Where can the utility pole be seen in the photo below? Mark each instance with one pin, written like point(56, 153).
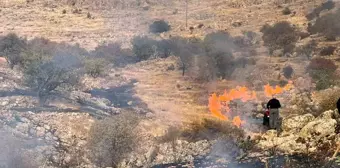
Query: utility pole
point(186, 13)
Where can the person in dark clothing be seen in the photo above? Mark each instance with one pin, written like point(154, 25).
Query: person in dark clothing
point(338, 105)
point(273, 105)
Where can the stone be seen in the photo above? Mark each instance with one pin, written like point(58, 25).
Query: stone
point(295, 124)
point(130, 103)
point(327, 115)
point(23, 128)
point(47, 127)
point(32, 132)
point(4, 103)
point(40, 131)
point(319, 128)
point(283, 59)
point(278, 53)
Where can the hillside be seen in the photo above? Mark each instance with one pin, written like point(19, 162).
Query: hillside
point(76, 91)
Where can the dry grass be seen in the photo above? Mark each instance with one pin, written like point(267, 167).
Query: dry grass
point(211, 128)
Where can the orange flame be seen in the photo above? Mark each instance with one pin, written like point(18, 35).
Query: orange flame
point(237, 121)
point(271, 91)
point(218, 104)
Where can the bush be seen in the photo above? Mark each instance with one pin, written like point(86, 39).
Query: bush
point(159, 26)
point(307, 49)
point(328, 25)
point(218, 46)
point(95, 66)
point(324, 6)
point(112, 53)
point(327, 51)
point(186, 49)
point(322, 70)
point(288, 72)
point(286, 11)
point(144, 47)
point(164, 48)
point(46, 76)
point(322, 64)
point(11, 47)
point(112, 139)
point(219, 41)
point(279, 36)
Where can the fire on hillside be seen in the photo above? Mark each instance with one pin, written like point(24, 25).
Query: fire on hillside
point(220, 105)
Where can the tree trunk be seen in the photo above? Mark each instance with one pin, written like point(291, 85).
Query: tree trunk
point(183, 69)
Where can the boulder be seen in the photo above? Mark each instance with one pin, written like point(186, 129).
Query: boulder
point(23, 128)
point(319, 128)
point(295, 124)
point(40, 131)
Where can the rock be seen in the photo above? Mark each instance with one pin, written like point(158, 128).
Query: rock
point(330, 114)
point(67, 158)
point(171, 67)
point(237, 23)
point(319, 128)
point(40, 131)
point(130, 103)
point(47, 127)
point(278, 53)
point(23, 128)
point(32, 132)
point(295, 124)
point(259, 108)
point(282, 60)
point(4, 103)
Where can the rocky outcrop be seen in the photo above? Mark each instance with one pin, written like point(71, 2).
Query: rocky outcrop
point(171, 152)
point(301, 134)
point(295, 124)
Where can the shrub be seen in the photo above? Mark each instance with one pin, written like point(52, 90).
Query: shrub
point(164, 48)
point(322, 64)
point(112, 53)
point(219, 41)
point(321, 70)
point(218, 46)
point(11, 47)
point(288, 71)
point(223, 61)
point(186, 49)
point(286, 11)
point(112, 139)
point(324, 6)
point(307, 49)
point(46, 76)
point(242, 62)
point(327, 51)
point(143, 47)
point(159, 26)
point(328, 25)
point(95, 66)
point(279, 36)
